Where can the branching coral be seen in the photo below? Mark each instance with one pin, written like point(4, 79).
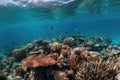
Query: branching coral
point(97, 70)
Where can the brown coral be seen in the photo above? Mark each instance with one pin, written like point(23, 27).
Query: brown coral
point(56, 47)
point(90, 43)
point(69, 41)
point(65, 46)
point(59, 75)
point(19, 54)
point(38, 61)
point(73, 62)
point(65, 53)
point(54, 55)
point(97, 70)
point(77, 50)
point(84, 55)
point(19, 71)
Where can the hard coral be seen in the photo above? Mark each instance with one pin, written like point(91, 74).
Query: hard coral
point(65, 47)
point(19, 71)
point(59, 75)
point(79, 38)
point(77, 50)
point(38, 47)
point(97, 43)
point(40, 42)
point(19, 54)
point(70, 42)
point(73, 62)
point(89, 43)
point(38, 61)
point(56, 47)
point(3, 75)
point(65, 53)
point(97, 70)
point(54, 55)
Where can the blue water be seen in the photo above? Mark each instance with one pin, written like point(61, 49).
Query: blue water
point(24, 22)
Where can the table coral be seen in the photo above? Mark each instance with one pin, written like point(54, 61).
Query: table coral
point(37, 61)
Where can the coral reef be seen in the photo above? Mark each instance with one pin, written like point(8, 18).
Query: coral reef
point(72, 58)
point(97, 43)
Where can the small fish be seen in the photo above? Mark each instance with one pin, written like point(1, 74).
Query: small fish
point(66, 32)
point(52, 28)
point(12, 42)
point(58, 32)
point(49, 35)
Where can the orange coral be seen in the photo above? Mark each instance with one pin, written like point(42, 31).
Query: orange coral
point(38, 61)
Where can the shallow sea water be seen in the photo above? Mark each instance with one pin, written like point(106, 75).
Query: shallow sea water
point(23, 21)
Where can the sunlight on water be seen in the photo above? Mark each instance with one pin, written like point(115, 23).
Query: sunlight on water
point(44, 3)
